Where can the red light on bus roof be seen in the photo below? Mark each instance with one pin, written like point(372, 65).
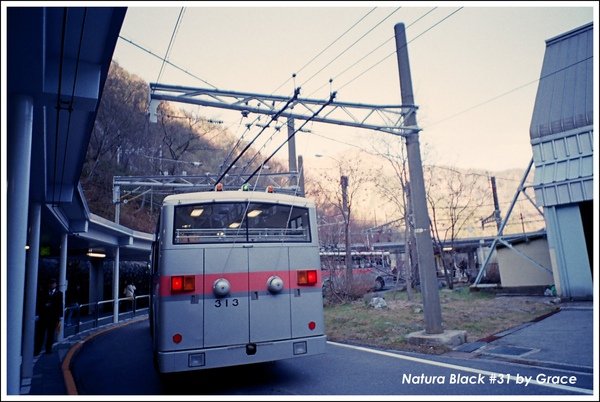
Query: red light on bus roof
point(312, 325)
point(177, 338)
point(307, 277)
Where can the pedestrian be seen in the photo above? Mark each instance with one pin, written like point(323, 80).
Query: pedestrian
point(49, 313)
point(129, 292)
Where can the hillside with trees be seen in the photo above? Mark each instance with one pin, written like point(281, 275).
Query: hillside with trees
point(125, 143)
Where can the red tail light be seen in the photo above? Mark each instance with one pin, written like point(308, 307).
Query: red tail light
point(307, 278)
point(180, 284)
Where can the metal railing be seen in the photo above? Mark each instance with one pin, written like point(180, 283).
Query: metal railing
point(81, 317)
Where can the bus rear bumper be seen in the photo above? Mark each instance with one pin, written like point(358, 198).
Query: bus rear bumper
point(199, 359)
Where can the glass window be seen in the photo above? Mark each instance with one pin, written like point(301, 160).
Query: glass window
point(240, 222)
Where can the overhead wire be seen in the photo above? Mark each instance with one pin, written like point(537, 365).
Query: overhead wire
point(257, 153)
point(395, 50)
point(509, 92)
point(331, 98)
point(327, 47)
point(351, 46)
point(171, 41)
point(353, 79)
point(371, 52)
point(166, 61)
point(238, 142)
point(273, 118)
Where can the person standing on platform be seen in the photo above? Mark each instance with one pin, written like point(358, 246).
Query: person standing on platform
point(129, 292)
point(49, 314)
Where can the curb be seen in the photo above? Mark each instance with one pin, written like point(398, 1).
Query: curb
point(74, 350)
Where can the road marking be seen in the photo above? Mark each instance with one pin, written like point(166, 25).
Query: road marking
point(457, 367)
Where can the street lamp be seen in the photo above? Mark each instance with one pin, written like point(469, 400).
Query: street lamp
point(327, 156)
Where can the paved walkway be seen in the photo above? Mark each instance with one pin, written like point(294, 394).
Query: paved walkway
point(564, 339)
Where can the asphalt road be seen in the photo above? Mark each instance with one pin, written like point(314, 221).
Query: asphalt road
point(119, 362)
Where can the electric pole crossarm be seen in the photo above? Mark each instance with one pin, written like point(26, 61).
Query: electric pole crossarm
point(385, 118)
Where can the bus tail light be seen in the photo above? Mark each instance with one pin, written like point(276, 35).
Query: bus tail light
point(183, 283)
point(307, 277)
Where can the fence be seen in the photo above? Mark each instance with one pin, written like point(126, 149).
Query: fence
point(86, 316)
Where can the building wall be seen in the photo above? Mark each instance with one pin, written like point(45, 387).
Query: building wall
point(568, 252)
point(516, 270)
point(562, 138)
point(564, 167)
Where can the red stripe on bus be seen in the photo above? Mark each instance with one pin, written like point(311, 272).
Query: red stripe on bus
point(239, 281)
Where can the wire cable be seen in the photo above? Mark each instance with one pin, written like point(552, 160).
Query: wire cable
point(395, 50)
point(371, 52)
point(331, 98)
point(238, 142)
point(352, 45)
point(322, 51)
point(508, 92)
point(273, 118)
point(166, 61)
point(171, 41)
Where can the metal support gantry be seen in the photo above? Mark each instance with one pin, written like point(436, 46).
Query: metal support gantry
point(386, 118)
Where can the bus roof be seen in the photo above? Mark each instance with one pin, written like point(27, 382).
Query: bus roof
point(237, 195)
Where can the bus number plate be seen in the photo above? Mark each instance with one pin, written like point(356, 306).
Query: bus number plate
point(227, 303)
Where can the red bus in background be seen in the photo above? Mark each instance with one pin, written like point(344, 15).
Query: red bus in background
point(370, 269)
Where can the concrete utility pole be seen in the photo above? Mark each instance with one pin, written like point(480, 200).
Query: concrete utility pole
point(346, 212)
point(424, 245)
point(497, 217)
point(291, 146)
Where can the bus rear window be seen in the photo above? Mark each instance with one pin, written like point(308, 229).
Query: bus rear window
point(231, 222)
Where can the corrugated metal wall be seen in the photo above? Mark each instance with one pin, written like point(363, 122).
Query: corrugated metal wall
point(562, 138)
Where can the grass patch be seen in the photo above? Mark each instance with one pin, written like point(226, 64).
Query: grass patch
point(481, 314)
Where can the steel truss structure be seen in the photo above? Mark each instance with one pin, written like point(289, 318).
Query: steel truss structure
point(386, 118)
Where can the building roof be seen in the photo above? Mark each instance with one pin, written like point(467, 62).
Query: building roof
point(564, 99)
point(59, 58)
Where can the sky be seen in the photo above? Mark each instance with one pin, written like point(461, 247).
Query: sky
point(474, 66)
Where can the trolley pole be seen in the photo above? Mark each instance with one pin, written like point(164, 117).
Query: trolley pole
point(424, 245)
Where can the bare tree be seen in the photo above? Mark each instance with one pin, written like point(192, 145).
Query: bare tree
point(454, 199)
point(337, 196)
point(396, 191)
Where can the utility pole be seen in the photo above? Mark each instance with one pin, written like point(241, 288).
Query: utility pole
point(409, 243)
point(346, 213)
point(427, 269)
point(497, 217)
point(293, 168)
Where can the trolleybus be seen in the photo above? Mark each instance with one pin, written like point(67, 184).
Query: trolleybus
point(236, 279)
